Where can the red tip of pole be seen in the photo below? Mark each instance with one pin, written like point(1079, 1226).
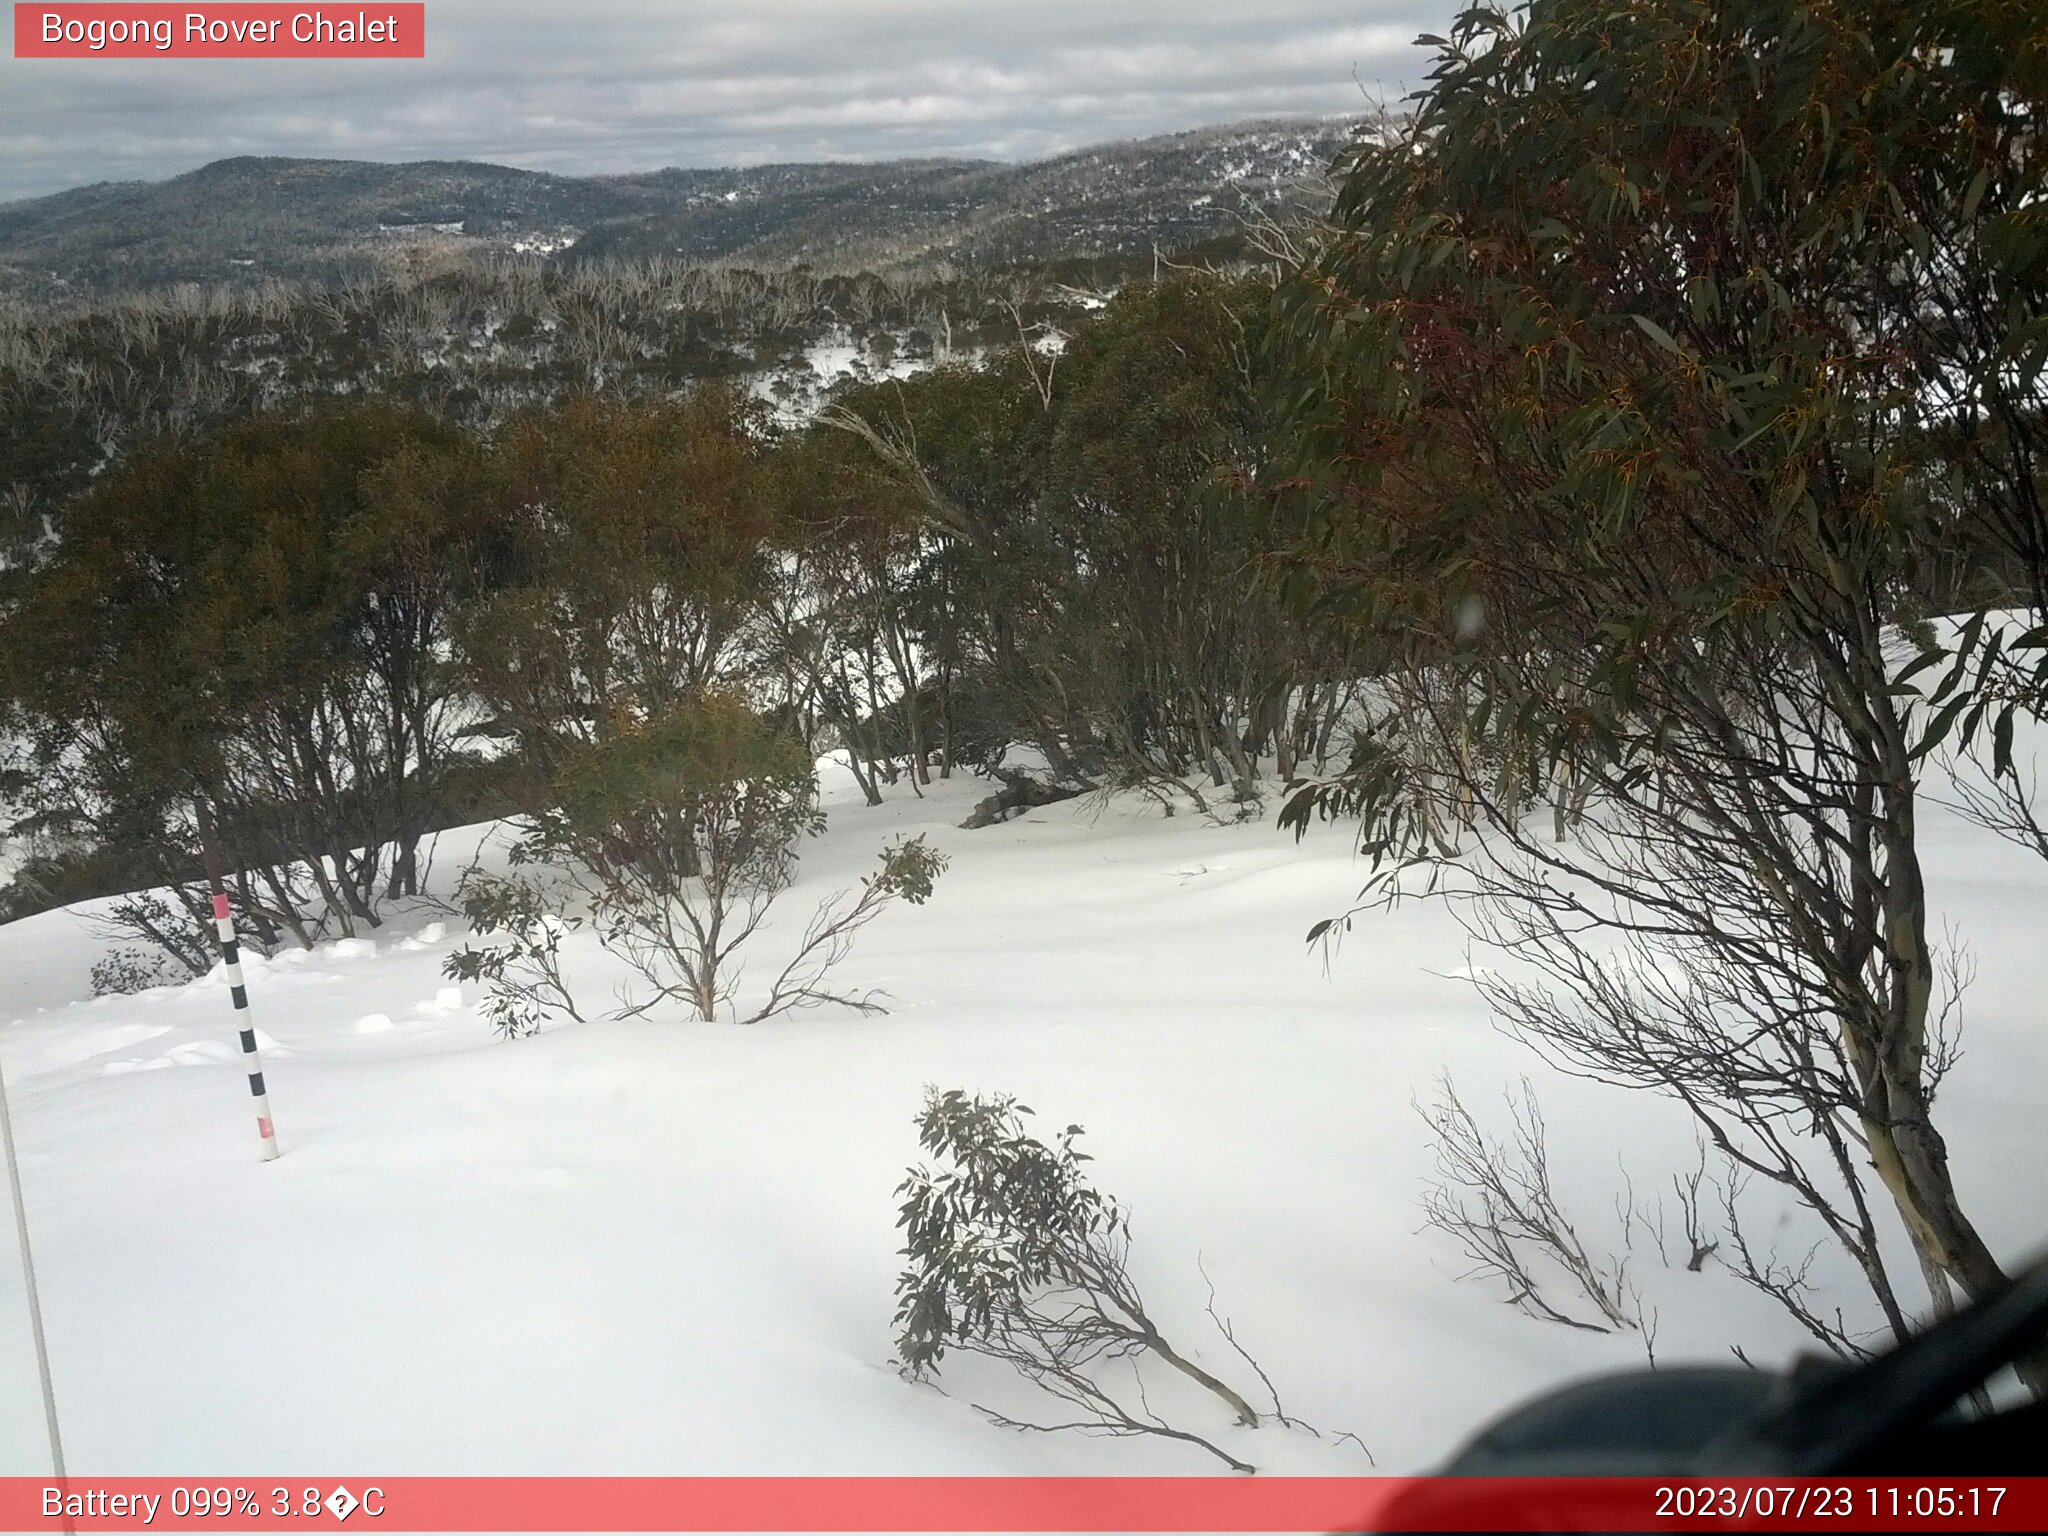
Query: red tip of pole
point(220, 904)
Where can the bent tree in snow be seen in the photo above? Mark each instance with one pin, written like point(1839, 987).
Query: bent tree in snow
point(1015, 1257)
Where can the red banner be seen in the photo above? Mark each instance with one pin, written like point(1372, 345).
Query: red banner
point(103, 31)
point(1015, 1504)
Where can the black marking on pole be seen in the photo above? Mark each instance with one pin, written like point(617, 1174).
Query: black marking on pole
point(231, 954)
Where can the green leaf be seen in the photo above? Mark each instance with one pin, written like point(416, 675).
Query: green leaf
point(1657, 333)
point(2001, 742)
point(1944, 722)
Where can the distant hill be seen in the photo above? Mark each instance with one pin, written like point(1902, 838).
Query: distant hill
point(252, 218)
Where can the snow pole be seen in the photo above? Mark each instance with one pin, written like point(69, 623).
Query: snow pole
point(35, 1302)
point(231, 954)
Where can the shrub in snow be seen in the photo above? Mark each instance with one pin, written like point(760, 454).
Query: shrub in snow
point(522, 963)
point(183, 943)
point(683, 828)
point(1497, 1201)
point(134, 970)
point(1014, 1256)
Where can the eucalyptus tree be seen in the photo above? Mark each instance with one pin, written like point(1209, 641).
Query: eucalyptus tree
point(253, 625)
point(1617, 399)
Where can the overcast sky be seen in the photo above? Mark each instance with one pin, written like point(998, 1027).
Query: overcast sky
point(581, 86)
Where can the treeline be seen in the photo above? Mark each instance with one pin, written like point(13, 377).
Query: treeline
point(333, 630)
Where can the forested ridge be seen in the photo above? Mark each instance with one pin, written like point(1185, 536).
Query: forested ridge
point(255, 220)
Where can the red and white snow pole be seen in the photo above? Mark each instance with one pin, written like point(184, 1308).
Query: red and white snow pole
point(231, 953)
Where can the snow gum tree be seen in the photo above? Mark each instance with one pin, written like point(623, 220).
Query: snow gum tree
point(257, 623)
point(1097, 532)
point(1619, 393)
point(626, 662)
point(859, 623)
point(683, 829)
point(687, 823)
point(635, 548)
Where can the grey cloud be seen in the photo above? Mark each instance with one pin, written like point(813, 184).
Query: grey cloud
point(618, 85)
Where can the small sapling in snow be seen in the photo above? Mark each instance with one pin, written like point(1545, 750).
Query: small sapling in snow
point(522, 964)
point(1015, 1257)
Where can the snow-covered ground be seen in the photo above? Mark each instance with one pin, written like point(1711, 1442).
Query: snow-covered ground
point(798, 390)
point(669, 1247)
